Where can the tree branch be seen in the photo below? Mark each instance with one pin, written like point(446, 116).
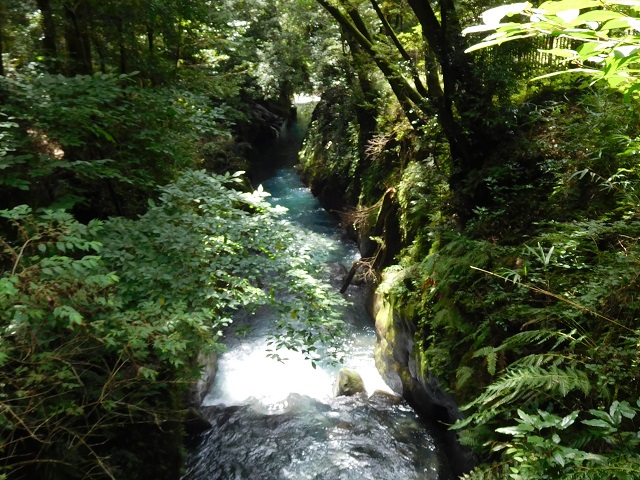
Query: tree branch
point(403, 52)
point(404, 92)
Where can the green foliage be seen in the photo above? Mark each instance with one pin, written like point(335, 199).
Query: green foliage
point(102, 323)
point(100, 138)
point(544, 322)
point(603, 46)
point(576, 348)
point(63, 383)
point(545, 445)
point(207, 249)
point(422, 191)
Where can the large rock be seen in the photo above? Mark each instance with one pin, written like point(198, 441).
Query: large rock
point(199, 389)
point(402, 367)
point(349, 383)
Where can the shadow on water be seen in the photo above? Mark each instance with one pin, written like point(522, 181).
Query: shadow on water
point(279, 153)
point(280, 421)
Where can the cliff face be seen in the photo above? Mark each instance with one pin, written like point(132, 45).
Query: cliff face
point(403, 367)
point(328, 165)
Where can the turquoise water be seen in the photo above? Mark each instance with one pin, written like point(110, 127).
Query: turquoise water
point(277, 421)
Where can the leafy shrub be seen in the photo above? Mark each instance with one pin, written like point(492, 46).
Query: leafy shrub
point(101, 139)
point(538, 449)
point(101, 323)
point(206, 250)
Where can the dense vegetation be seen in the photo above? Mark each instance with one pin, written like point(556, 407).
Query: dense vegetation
point(123, 261)
point(517, 218)
point(509, 236)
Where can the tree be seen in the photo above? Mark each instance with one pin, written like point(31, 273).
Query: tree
point(49, 28)
point(3, 15)
point(448, 87)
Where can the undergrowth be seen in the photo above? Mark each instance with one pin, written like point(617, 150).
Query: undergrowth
point(101, 324)
point(529, 315)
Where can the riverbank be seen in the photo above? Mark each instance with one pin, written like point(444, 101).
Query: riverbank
point(469, 314)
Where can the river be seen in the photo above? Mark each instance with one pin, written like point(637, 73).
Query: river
point(280, 420)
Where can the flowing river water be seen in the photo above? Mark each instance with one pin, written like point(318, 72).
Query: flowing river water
point(276, 421)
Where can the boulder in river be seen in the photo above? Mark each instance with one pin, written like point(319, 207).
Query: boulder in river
point(385, 399)
point(349, 383)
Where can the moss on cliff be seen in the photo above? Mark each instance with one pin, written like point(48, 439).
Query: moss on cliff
point(537, 285)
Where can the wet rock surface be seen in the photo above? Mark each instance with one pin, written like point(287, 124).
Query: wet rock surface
point(350, 438)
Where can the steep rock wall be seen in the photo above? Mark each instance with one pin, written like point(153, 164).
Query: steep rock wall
point(401, 364)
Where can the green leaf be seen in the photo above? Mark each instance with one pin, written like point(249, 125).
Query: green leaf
point(615, 24)
point(8, 286)
point(561, 52)
point(553, 7)
point(568, 420)
point(499, 41)
point(599, 16)
point(559, 458)
point(70, 313)
point(493, 16)
point(597, 423)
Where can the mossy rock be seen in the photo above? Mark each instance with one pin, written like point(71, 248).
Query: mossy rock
point(349, 383)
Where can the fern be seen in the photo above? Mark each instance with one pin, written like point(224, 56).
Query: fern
point(518, 382)
point(463, 375)
point(525, 340)
point(539, 360)
point(490, 355)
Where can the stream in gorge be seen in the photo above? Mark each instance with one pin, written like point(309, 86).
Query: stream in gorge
point(277, 421)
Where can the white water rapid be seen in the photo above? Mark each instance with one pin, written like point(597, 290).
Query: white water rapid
point(279, 420)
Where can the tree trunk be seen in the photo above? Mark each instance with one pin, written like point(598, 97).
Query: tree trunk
point(150, 39)
point(464, 104)
point(404, 92)
point(394, 38)
point(49, 43)
point(99, 48)
point(366, 96)
point(2, 17)
point(78, 42)
point(122, 47)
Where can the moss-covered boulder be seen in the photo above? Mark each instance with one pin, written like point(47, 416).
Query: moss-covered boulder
point(402, 367)
point(349, 383)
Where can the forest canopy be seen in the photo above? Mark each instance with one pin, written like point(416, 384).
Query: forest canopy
point(486, 156)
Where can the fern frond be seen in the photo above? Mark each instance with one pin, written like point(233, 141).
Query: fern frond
point(541, 359)
point(526, 339)
point(538, 337)
point(491, 356)
point(462, 376)
point(529, 381)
